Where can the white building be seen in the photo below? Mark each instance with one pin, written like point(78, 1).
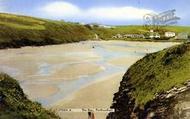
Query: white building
point(105, 26)
point(157, 36)
point(154, 35)
point(169, 34)
point(118, 36)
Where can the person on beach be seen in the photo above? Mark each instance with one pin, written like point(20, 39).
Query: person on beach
point(91, 115)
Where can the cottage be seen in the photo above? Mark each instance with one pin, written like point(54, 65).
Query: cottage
point(105, 26)
point(128, 36)
point(133, 36)
point(154, 35)
point(169, 34)
point(118, 36)
point(157, 35)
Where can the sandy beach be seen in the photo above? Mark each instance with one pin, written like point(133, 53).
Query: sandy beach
point(77, 75)
point(40, 90)
point(96, 95)
point(124, 61)
point(75, 70)
point(49, 61)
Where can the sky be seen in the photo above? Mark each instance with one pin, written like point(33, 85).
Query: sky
point(109, 12)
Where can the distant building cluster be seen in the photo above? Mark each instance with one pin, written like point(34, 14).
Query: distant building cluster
point(129, 36)
point(154, 35)
point(96, 25)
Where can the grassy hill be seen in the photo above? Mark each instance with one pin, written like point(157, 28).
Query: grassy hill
point(159, 72)
point(152, 83)
point(17, 31)
point(15, 105)
point(107, 34)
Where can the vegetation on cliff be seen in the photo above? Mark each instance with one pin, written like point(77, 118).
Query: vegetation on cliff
point(149, 83)
point(108, 33)
point(159, 72)
point(17, 31)
point(15, 105)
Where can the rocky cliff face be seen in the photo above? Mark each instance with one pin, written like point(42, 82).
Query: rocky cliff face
point(156, 87)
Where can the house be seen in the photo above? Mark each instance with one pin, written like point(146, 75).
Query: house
point(128, 36)
point(169, 34)
point(114, 37)
point(182, 36)
point(105, 26)
point(141, 36)
point(118, 36)
point(154, 35)
point(157, 35)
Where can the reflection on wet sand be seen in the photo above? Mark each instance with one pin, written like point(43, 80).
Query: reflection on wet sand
point(97, 95)
point(76, 75)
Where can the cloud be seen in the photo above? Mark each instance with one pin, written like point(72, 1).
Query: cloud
point(119, 13)
point(68, 11)
point(61, 9)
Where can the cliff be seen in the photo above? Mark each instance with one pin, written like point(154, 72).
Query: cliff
point(156, 87)
point(15, 105)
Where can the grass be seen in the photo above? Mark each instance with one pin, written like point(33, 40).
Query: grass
point(18, 31)
point(107, 34)
point(15, 105)
point(179, 29)
point(159, 72)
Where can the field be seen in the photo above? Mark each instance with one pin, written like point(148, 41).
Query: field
point(17, 31)
point(107, 34)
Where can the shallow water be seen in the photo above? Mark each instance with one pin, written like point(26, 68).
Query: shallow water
point(38, 66)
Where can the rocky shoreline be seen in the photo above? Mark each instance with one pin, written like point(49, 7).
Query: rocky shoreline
point(162, 107)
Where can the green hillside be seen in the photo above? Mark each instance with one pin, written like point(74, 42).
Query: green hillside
point(17, 31)
point(159, 72)
point(107, 34)
point(15, 105)
point(154, 86)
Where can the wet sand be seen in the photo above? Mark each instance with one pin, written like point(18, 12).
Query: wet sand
point(75, 70)
point(74, 75)
point(87, 97)
point(96, 95)
point(57, 61)
point(124, 61)
point(40, 90)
